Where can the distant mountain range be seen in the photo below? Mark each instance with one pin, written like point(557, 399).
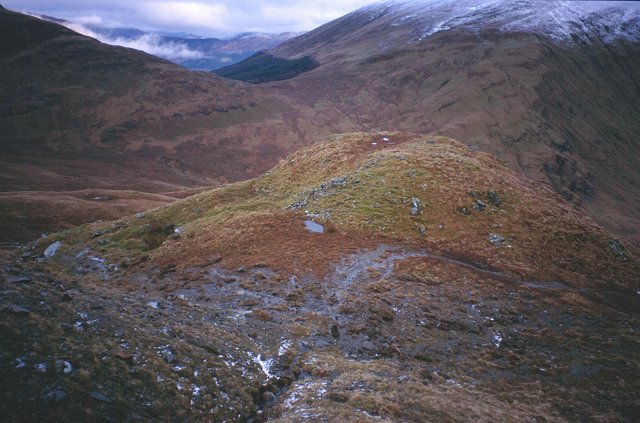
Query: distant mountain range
point(192, 52)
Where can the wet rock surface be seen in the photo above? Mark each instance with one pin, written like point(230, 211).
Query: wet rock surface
point(382, 321)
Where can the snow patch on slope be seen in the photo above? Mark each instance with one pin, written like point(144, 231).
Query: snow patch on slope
point(558, 20)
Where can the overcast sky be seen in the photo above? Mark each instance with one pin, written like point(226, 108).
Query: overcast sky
point(218, 18)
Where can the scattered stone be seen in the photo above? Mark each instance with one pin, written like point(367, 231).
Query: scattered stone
point(474, 194)
point(52, 249)
point(99, 396)
point(40, 368)
point(412, 173)
point(441, 226)
point(178, 368)
point(21, 363)
point(56, 395)
point(25, 256)
point(314, 227)
point(179, 230)
point(16, 309)
point(19, 279)
point(166, 353)
point(64, 366)
point(617, 248)
point(140, 215)
point(496, 239)
point(494, 198)
point(154, 304)
point(479, 205)
point(99, 233)
point(368, 345)
point(416, 207)
point(241, 269)
point(196, 210)
point(463, 211)
point(422, 230)
point(299, 204)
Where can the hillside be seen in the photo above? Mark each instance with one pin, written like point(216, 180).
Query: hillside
point(371, 277)
point(549, 87)
point(77, 114)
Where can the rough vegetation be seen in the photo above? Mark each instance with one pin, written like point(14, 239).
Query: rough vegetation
point(263, 67)
point(443, 287)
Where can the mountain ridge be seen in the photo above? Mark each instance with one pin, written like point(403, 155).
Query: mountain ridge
point(431, 271)
point(555, 110)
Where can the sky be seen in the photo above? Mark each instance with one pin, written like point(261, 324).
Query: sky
point(214, 18)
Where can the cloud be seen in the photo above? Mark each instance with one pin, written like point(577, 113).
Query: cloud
point(188, 14)
point(217, 18)
point(90, 20)
point(150, 43)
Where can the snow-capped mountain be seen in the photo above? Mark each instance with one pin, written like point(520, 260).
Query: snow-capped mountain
point(560, 20)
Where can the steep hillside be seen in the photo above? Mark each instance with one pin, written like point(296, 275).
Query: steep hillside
point(550, 87)
point(77, 114)
point(372, 277)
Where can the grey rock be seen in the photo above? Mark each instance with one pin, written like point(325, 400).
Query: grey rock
point(416, 206)
point(496, 239)
point(166, 353)
point(16, 309)
point(52, 249)
point(479, 205)
point(494, 198)
point(368, 345)
point(314, 227)
point(40, 368)
point(99, 396)
point(56, 395)
point(464, 211)
point(617, 248)
point(18, 279)
point(64, 366)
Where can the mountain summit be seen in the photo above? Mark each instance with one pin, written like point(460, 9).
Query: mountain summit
point(559, 20)
point(549, 87)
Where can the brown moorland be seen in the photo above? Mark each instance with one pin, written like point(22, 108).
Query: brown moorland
point(415, 303)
